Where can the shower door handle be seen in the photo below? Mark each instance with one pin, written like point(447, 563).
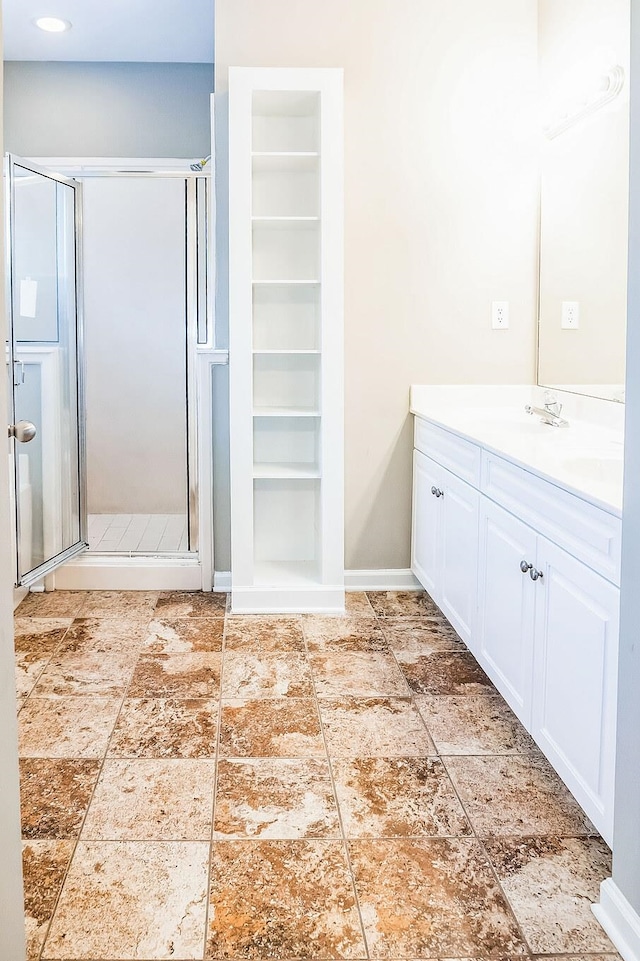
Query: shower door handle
point(23, 431)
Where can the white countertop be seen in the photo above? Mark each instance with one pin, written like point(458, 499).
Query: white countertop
point(585, 458)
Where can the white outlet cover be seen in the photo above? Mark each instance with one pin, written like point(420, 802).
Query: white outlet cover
point(500, 314)
point(570, 315)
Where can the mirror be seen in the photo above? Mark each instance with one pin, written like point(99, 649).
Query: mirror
point(584, 82)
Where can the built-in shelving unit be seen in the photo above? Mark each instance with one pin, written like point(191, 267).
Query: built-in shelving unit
point(286, 355)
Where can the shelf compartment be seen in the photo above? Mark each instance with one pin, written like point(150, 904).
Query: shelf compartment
point(285, 191)
point(286, 316)
point(284, 121)
point(286, 522)
point(285, 471)
point(286, 248)
point(286, 381)
point(277, 161)
point(282, 445)
point(286, 573)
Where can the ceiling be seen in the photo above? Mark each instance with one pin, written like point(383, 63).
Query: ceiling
point(179, 31)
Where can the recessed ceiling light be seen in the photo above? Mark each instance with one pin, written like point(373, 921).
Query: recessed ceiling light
point(52, 24)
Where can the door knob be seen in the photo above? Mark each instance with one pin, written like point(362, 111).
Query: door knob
point(23, 431)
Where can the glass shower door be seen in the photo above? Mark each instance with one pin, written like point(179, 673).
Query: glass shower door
point(43, 352)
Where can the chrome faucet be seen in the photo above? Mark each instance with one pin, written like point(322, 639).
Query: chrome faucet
point(550, 413)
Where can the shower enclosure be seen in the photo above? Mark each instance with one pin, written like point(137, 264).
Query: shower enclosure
point(113, 468)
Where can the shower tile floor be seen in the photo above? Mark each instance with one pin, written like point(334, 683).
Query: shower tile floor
point(141, 533)
point(202, 785)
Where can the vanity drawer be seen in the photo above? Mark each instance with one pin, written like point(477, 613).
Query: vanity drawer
point(455, 453)
point(583, 530)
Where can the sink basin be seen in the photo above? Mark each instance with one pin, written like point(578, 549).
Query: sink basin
point(605, 469)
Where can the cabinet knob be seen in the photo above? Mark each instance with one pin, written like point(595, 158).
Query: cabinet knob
point(437, 492)
point(534, 574)
point(524, 567)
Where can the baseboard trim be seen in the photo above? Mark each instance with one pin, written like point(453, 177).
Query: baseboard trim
point(394, 579)
point(222, 581)
point(99, 572)
point(321, 599)
point(19, 594)
point(619, 920)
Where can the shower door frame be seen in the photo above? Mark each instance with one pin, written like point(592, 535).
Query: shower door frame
point(193, 570)
point(44, 571)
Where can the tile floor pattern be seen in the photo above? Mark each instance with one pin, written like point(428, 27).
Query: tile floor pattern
point(143, 533)
point(202, 785)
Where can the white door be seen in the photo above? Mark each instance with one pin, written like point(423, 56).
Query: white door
point(506, 605)
point(459, 506)
point(426, 523)
point(12, 929)
point(575, 679)
point(44, 350)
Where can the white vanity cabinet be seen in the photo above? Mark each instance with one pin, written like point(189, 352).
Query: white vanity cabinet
point(445, 541)
point(575, 678)
point(506, 599)
point(528, 573)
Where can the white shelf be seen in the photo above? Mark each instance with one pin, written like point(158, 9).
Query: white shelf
point(286, 384)
point(257, 154)
point(285, 223)
point(286, 283)
point(286, 471)
point(284, 412)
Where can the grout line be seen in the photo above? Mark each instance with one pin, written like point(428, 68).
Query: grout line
point(474, 834)
point(344, 839)
point(474, 838)
point(77, 839)
point(215, 783)
point(22, 702)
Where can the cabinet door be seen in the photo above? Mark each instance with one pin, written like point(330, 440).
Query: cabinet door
point(459, 578)
point(426, 523)
point(575, 679)
point(506, 606)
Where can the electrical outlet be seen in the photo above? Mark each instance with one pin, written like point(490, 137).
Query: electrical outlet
point(500, 314)
point(570, 315)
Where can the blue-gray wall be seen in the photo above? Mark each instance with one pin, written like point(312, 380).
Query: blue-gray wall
point(59, 109)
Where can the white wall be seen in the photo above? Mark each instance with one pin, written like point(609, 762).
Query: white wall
point(441, 211)
point(57, 109)
point(135, 336)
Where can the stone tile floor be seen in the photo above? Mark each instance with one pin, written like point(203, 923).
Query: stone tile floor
point(202, 785)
